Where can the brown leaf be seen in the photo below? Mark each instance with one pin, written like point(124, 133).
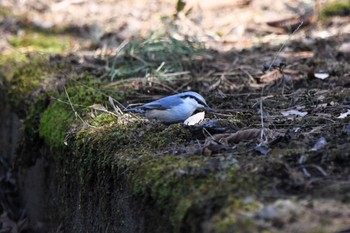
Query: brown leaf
point(241, 135)
point(219, 142)
point(292, 23)
point(271, 76)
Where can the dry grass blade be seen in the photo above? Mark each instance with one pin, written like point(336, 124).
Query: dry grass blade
point(117, 110)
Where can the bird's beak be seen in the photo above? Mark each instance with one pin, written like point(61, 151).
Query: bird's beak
point(208, 109)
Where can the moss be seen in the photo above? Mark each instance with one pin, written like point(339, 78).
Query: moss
point(5, 12)
point(15, 64)
point(173, 134)
point(24, 75)
point(84, 95)
point(233, 217)
point(10, 60)
point(103, 119)
point(178, 184)
point(55, 123)
point(56, 120)
point(336, 8)
point(41, 42)
point(118, 138)
point(34, 113)
point(175, 184)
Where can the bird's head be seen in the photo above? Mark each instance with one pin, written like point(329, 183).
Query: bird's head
point(191, 97)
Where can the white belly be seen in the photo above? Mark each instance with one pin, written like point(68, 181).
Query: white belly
point(177, 114)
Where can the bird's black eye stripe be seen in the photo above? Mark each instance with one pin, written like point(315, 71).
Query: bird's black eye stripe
point(193, 97)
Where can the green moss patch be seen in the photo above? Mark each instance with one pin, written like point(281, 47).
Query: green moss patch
point(55, 123)
point(180, 184)
point(4, 12)
point(57, 119)
point(335, 8)
point(104, 119)
point(24, 76)
point(41, 42)
point(173, 184)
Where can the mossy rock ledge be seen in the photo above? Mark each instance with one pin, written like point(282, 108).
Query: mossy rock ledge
point(106, 173)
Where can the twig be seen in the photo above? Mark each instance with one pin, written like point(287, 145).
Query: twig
point(306, 173)
point(207, 134)
point(262, 90)
point(284, 45)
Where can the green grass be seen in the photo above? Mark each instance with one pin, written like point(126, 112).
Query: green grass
point(157, 56)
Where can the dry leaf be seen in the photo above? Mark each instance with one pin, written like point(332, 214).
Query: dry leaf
point(344, 48)
point(343, 115)
point(294, 112)
point(321, 75)
point(99, 107)
point(319, 144)
point(219, 142)
point(271, 76)
point(293, 22)
point(195, 119)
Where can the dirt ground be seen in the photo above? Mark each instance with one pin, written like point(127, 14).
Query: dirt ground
point(259, 67)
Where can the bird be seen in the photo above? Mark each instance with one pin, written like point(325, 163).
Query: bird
point(173, 109)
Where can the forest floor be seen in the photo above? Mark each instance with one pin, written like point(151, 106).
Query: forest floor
point(280, 66)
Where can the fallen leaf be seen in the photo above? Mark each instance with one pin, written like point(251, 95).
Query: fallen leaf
point(264, 150)
point(195, 119)
point(99, 107)
point(271, 76)
point(344, 48)
point(321, 75)
point(294, 112)
point(319, 144)
point(343, 115)
point(293, 22)
point(241, 135)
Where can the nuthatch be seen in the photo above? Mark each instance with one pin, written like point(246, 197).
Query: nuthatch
point(174, 108)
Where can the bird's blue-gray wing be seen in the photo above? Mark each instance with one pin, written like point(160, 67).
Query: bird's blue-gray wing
point(163, 104)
